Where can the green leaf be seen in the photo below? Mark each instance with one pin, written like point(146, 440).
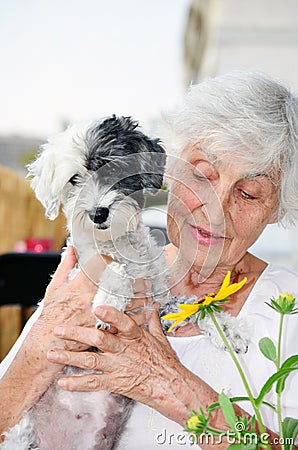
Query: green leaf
point(267, 347)
point(228, 410)
point(269, 383)
point(292, 363)
point(252, 424)
point(216, 405)
point(290, 429)
point(274, 305)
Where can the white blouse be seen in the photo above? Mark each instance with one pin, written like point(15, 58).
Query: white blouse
point(149, 430)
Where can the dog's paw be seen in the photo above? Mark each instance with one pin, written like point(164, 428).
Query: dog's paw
point(235, 330)
point(171, 306)
point(74, 272)
point(100, 325)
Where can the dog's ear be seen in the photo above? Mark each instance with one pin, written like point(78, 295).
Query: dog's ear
point(153, 166)
point(44, 182)
point(58, 161)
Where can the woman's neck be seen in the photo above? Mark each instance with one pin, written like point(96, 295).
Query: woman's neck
point(197, 281)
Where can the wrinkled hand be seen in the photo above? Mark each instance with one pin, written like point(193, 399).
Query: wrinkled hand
point(135, 362)
point(69, 301)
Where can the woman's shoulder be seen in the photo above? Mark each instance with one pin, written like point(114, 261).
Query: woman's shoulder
point(272, 282)
point(282, 276)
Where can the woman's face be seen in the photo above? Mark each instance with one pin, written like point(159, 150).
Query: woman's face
point(217, 208)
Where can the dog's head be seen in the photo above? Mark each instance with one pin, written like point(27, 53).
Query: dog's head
point(96, 169)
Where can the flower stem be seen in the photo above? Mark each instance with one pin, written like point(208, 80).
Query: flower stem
point(216, 432)
point(279, 415)
point(241, 373)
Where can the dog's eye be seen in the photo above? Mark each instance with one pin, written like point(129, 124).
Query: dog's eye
point(74, 179)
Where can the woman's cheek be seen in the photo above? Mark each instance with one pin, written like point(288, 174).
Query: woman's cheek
point(187, 197)
point(174, 222)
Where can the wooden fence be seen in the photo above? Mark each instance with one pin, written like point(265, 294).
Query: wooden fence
point(21, 216)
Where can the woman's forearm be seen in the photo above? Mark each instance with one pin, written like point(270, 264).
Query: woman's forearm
point(31, 373)
point(26, 379)
point(186, 392)
point(178, 391)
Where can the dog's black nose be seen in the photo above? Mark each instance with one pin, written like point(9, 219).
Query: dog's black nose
point(100, 216)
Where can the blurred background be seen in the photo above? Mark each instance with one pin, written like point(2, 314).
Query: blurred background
point(68, 60)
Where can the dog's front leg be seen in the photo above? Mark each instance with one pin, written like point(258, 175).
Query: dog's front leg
point(115, 289)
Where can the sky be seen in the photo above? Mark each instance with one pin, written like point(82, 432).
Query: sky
point(72, 60)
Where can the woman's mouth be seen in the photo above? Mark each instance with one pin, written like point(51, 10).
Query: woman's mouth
point(205, 237)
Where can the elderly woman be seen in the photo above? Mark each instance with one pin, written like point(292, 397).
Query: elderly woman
point(237, 141)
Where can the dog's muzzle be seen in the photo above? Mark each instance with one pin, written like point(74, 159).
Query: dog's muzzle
point(99, 215)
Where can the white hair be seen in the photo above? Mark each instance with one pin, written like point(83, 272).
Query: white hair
point(249, 115)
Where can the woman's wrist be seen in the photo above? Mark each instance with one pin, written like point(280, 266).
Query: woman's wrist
point(177, 391)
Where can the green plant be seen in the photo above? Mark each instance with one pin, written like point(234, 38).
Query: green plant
point(248, 433)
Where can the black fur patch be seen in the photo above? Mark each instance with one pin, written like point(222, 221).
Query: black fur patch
point(128, 159)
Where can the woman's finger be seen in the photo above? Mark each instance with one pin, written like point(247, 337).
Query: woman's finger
point(93, 269)
point(67, 263)
point(139, 302)
point(124, 324)
point(84, 360)
point(86, 383)
point(140, 285)
point(141, 317)
point(187, 330)
point(155, 327)
point(92, 337)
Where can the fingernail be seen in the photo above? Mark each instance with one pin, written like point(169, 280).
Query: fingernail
point(149, 312)
point(59, 331)
point(52, 355)
point(62, 383)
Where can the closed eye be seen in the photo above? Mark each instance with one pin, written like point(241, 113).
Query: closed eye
point(200, 177)
point(247, 195)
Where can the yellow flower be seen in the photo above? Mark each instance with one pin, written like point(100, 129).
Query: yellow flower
point(197, 423)
point(289, 298)
point(284, 304)
point(193, 422)
point(187, 311)
point(223, 294)
point(225, 290)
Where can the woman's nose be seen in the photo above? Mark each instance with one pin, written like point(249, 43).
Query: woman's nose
point(216, 204)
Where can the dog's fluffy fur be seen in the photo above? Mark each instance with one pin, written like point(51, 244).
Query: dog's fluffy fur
point(99, 172)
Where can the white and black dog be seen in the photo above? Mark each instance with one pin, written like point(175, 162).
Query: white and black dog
point(99, 172)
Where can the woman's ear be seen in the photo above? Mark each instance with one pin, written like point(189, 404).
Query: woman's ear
point(275, 216)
